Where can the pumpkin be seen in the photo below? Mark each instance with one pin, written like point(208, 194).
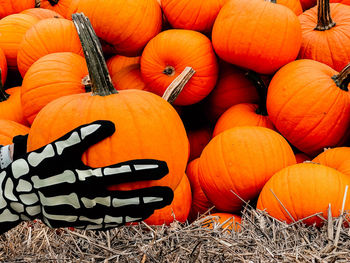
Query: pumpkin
point(41, 13)
point(178, 209)
point(125, 72)
point(323, 37)
point(47, 36)
point(337, 158)
point(10, 104)
point(12, 30)
point(231, 88)
point(293, 5)
point(262, 45)
point(192, 14)
point(309, 104)
point(200, 203)
point(303, 190)
point(246, 114)
point(10, 129)
point(166, 56)
point(225, 220)
point(147, 126)
point(198, 138)
point(127, 25)
point(59, 6)
point(9, 7)
point(307, 4)
point(242, 160)
point(3, 68)
point(302, 157)
point(50, 77)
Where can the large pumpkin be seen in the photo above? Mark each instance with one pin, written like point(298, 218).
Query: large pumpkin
point(47, 36)
point(127, 25)
point(12, 30)
point(169, 53)
point(323, 40)
point(50, 77)
point(200, 203)
point(241, 160)
point(147, 126)
point(304, 190)
point(9, 7)
point(262, 38)
point(192, 14)
point(309, 104)
point(10, 129)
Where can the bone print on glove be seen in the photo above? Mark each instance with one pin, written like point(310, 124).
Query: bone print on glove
point(54, 185)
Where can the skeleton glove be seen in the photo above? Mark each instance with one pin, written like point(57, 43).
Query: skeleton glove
point(54, 185)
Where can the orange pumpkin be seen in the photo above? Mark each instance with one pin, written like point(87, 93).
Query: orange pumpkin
point(167, 55)
point(178, 209)
point(229, 221)
point(263, 39)
point(323, 38)
point(10, 105)
point(50, 77)
point(10, 129)
point(337, 158)
point(9, 7)
point(246, 114)
point(293, 5)
point(125, 72)
point(309, 104)
point(231, 88)
point(147, 126)
point(59, 6)
point(242, 160)
point(192, 14)
point(41, 13)
point(302, 157)
point(307, 4)
point(47, 36)
point(198, 138)
point(200, 203)
point(304, 189)
point(3, 67)
point(127, 25)
point(12, 30)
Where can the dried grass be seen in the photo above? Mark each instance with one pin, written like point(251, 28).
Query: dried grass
point(261, 239)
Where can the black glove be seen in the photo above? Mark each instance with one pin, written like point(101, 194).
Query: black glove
point(54, 185)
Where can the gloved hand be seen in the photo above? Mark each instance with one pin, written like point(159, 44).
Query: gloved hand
point(54, 185)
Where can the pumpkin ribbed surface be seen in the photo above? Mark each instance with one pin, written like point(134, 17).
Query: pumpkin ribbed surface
point(337, 158)
point(9, 7)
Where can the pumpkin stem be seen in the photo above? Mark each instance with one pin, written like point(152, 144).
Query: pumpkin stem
point(262, 91)
point(342, 80)
point(324, 19)
point(53, 2)
point(3, 95)
point(169, 70)
point(101, 82)
point(175, 87)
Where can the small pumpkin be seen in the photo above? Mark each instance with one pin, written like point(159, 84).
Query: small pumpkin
point(323, 37)
point(262, 45)
point(192, 14)
point(224, 220)
point(10, 129)
point(12, 30)
point(200, 203)
point(246, 114)
point(169, 53)
point(50, 77)
point(231, 88)
point(303, 190)
point(309, 104)
point(47, 36)
point(239, 161)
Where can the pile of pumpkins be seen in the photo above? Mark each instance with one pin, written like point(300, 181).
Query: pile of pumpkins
point(264, 120)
